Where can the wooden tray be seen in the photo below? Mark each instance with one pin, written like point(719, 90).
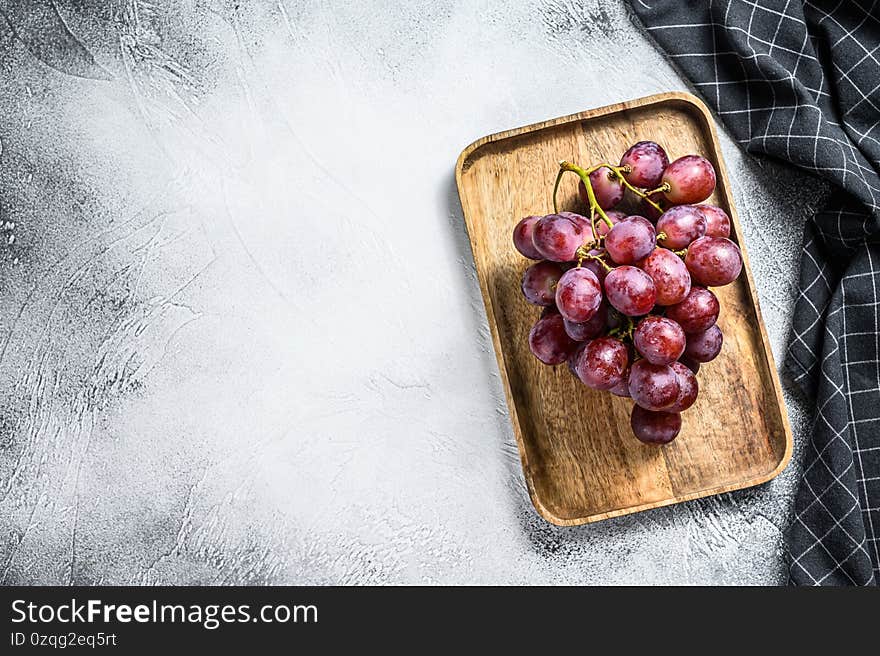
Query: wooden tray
point(581, 462)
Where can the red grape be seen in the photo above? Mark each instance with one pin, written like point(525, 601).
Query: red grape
point(578, 294)
point(589, 329)
point(539, 282)
point(693, 365)
point(522, 237)
point(653, 386)
point(682, 224)
point(622, 388)
point(630, 290)
point(549, 342)
point(646, 209)
point(630, 240)
point(697, 312)
point(704, 346)
point(670, 276)
point(647, 161)
point(717, 221)
point(614, 319)
point(607, 188)
point(688, 387)
point(659, 340)
point(691, 179)
point(558, 237)
point(603, 363)
point(572, 359)
point(713, 261)
point(581, 220)
point(615, 216)
point(596, 268)
point(654, 427)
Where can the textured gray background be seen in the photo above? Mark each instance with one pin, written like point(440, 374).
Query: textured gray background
point(242, 338)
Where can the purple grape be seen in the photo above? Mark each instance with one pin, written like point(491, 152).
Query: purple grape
point(615, 216)
point(689, 388)
point(671, 277)
point(522, 237)
point(588, 329)
point(697, 312)
point(615, 319)
point(647, 161)
point(622, 388)
point(704, 346)
point(682, 225)
point(653, 386)
point(630, 290)
point(549, 342)
point(603, 363)
point(691, 179)
point(713, 261)
point(558, 237)
point(647, 210)
point(630, 240)
point(597, 269)
point(659, 340)
point(572, 359)
point(654, 427)
point(693, 365)
point(717, 221)
point(578, 294)
point(583, 221)
point(539, 282)
point(607, 188)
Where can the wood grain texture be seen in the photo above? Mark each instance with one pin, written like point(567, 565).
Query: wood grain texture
point(580, 459)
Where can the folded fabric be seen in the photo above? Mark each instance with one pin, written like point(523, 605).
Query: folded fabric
point(799, 81)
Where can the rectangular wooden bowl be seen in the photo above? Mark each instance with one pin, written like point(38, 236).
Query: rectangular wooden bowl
point(581, 462)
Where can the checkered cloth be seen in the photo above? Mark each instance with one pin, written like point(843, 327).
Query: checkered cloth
point(799, 80)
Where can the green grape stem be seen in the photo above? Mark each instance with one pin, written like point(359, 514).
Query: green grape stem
point(613, 171)
point(662, 188)
point(619, 171)
point(556, 189)
point(593, 225)
point(625, 331)
point(583, 253)
point(584, 175)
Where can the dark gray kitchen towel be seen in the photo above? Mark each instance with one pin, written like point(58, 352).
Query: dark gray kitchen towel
point(799, 81)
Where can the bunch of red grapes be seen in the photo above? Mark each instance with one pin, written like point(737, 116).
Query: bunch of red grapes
point(626, 296)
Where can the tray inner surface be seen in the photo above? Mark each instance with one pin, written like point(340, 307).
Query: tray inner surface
point(580, 457)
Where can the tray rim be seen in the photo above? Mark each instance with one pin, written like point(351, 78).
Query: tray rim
point(709, 124)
